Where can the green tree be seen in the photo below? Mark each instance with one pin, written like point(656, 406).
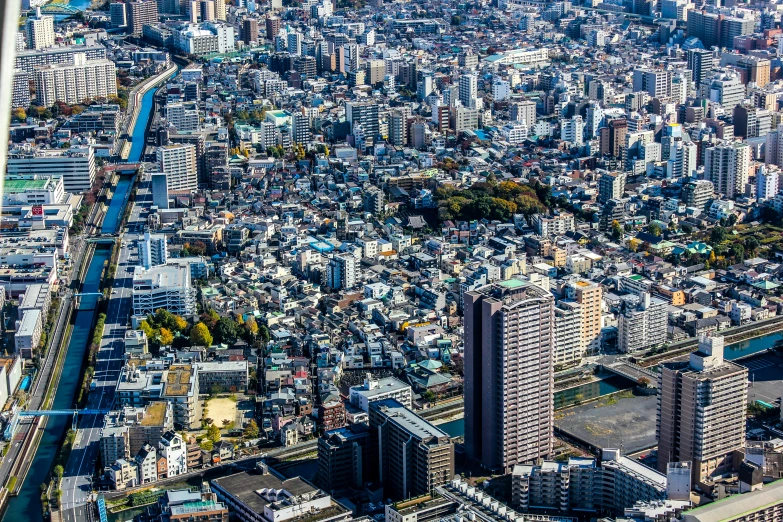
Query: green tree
point(213, 433)
point(251, 429)
point(617, 230)
point(200, 336)
point(145, 327)
point(251, 327)
point(263, 333)
point(164, 319)
point(226, 330)
point(210, 318)
point(654, 229)
point(718, 235)
point(180, 324)
point(58, 472)
point(751, 244)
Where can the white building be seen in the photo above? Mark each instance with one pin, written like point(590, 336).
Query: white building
point(514, 133)
point(39, 32)
point(205, 38)
point(20, 191)
point(374, 390)
point(643, 324)
point(568, 333)
point(572, 131)
point(342, 272)
point(76, 166)
point(766, 183)
point(184, 116)
point(501, 90)
point(28, 333)
point(178, 162)
point(727, 165)
point(166, 287)
point(74, 83)
point(172, 448)
point(153, 250)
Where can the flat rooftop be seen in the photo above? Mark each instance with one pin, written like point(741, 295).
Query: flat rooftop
point(407, 420)
point(733, 507)
point(154, 414)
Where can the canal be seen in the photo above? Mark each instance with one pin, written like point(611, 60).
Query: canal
point(27, 505)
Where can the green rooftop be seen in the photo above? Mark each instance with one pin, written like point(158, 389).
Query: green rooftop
point(16, 186)
point(512, 283)
point(635, 277)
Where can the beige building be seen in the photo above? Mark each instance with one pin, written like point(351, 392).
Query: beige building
point(702, 405)
point(589, 295)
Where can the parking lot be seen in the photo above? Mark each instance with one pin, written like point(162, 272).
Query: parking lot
point(765, 373)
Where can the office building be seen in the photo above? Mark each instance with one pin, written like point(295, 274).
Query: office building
point(723, 87)
point(343, 458)
point(524, 111)
point(39, 31)
point(655, 82)
point(413, 455)
point(263, 497)
point(727, 166)
point(642, 323)
point(374, 390)
point(611, 185)
point(509, 328)
point(76, 166)
point(468, 90)
point(77, 82)
point(572, 131)
point(153, 250)
point(464, 118)
point(166, 287)
point(118, 15)
point(702, 406)
point(160, 190)
point(342, 272)
point(141, 13)
point(178, 163)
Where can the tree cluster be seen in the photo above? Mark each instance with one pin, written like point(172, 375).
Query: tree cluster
point(488, 200)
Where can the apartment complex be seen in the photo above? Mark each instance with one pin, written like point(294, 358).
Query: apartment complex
point(29, 60)
point(74, 83)
point(176, 384)
point(589, 295)
point(413, 455)
point(153, 250)
point(178, 162)
point(343, 458)
point(374, 390)
point(39, 31)
point(509, 372)
point(642, 323)
point(701, 410)
point(555, 225)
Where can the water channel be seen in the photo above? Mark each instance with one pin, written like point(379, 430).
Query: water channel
point(27, 505)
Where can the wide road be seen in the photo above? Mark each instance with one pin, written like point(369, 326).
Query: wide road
point(77, 479)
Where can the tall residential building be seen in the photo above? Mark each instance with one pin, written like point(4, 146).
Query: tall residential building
point(343, 458)
point(701, 410)
point(589, 295)
point(723, 87)
point(642, 324)
point(21, 92)
point(773, 150)
point(141, 13)
point(727, 165)
point(509, 372)
point(220, 10)
point(300, 128)
point(573, 130)
point(273, 24)
point(612, 137)
point(611, 185)
point(39, 31)
point(700, 63)
point(398, 128)
point(468, 90)
point(655, 82)
point(249, 31)
point(767, 183)
point(365, 115)
point(524, 111)
point(77, 82)
point(184, 117)
point(555, 225)
point(698, 193)
point(715, 29)
point(178, 162)
point(30, 60)
point(568, 334)
point(153, 250)
point(342, 272)
point(414, 456)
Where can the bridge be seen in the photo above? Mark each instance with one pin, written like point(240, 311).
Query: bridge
point(59, 9)
point(13, 424)
point(631, 371)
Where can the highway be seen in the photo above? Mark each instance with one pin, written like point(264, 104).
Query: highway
point(77, 479)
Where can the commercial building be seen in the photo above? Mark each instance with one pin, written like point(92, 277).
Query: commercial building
point(701, 411)
point(153, 250)
point(222, 376)
point(76, 166)
point(28, 333)
point(74, 83)
point(413, 455)
point(178, 162)
point(698, 193)
point(374, 390)
point(166, 287)
point(509, 373)
point(31, 189)
point(135, 343)
point(263, 497)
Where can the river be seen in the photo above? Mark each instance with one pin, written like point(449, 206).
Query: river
point(611, 384)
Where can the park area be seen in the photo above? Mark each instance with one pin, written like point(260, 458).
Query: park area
point(222, 409)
